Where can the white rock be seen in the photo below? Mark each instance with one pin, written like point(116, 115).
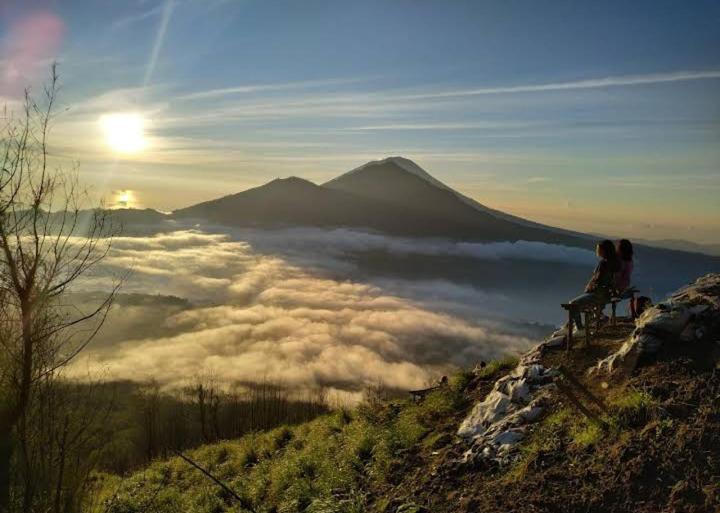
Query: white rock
point(484, 414)
point(510, 437)
point(530, 413)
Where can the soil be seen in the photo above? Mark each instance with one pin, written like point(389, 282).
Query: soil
point(660, 458)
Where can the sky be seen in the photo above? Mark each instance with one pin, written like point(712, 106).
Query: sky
point(601, 117)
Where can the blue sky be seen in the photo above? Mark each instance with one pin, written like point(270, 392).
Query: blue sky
point(600, 116)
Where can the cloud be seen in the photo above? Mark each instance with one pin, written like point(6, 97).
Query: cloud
point(592, 83)
point(165, 15)
point(138, 17)
point(295, 242)
point(254, 315)
point(262, 88)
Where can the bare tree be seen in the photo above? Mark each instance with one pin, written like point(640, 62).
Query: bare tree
point(47, 244)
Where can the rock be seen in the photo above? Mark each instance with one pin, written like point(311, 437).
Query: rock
point(676, 320)
point(484, 413)
point(556, 341)
point(530, 413)
point(518, 391)
point(510, 437)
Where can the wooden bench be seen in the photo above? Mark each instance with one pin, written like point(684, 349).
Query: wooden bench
point(419, 395)
point(588, 311)
point(617, 298)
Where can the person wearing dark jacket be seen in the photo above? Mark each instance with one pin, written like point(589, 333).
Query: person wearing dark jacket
point(602, 282)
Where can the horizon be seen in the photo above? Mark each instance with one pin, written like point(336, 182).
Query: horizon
point(570, 116)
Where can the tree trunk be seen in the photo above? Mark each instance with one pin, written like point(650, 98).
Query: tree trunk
point(6, 449)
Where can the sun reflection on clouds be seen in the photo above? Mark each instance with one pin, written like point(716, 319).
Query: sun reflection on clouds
point(124, 198)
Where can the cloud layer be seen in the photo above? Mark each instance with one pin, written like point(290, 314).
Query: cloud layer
point(257, 316)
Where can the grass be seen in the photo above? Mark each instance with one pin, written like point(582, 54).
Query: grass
point(496, 366)
point(626, 408)
point(325, 465)
point(320, 466)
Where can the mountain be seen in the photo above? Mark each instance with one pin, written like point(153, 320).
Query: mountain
point(361, 177)
point(685, 245)
point(297, 202)
point(393, 196)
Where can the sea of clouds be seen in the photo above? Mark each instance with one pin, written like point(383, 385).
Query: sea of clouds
point(253, 305)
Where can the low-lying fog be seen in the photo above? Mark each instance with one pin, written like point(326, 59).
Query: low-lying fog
point(337, 308)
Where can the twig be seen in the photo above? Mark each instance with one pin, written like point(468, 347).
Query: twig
point(215, 480)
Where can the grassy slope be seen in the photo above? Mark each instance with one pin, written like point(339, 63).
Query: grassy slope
point(658, 452)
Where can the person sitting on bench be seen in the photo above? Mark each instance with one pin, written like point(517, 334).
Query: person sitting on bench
point(599, 289)
point(624, 274)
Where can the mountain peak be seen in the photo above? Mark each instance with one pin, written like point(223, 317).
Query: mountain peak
point(290, 181)
point(403, 163)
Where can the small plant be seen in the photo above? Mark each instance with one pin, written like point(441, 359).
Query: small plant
point(280, 438)
point(250, 457)
point(496, 366)
point(587, 433)
point(632, 408)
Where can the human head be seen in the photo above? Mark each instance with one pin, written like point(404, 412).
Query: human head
point(625, 249)
point(606, 250)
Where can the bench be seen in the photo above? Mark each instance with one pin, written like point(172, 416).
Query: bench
point(419, 395)
point(617, 298)
point(588, 311)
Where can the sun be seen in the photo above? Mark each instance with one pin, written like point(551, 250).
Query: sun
point(124, 132)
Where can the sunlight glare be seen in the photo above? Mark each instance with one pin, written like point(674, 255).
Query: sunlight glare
point(123, 199)
point(124, 133)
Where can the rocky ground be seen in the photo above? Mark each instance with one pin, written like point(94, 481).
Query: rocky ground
point(642, 436)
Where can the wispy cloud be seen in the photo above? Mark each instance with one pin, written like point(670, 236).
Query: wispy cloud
point(593, 83)
point(539, 179)
point(138, 17)
point(167, 10)
point(444, 126)
point(262, 88)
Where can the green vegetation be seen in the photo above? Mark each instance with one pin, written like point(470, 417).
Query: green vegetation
point(627, 408)
point(318, 466)
point(495, 366)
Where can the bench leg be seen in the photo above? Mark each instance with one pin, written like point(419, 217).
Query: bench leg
point(569, 337)
point(613, 319)
point(587, 328)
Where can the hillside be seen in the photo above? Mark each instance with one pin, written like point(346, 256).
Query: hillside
point(382, 196)
point(629, 424)
point(298, 202)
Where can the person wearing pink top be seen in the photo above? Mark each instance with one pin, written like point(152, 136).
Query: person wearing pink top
point(623, 277)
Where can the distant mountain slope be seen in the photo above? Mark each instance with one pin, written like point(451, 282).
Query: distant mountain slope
point(382, 196)
point(685, 245)
point(411, 167)
point(396, 197)
point(297, 202)
point(402, 182)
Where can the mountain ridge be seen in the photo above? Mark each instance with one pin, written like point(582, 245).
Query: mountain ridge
point(393, 195)
point(413, 168)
